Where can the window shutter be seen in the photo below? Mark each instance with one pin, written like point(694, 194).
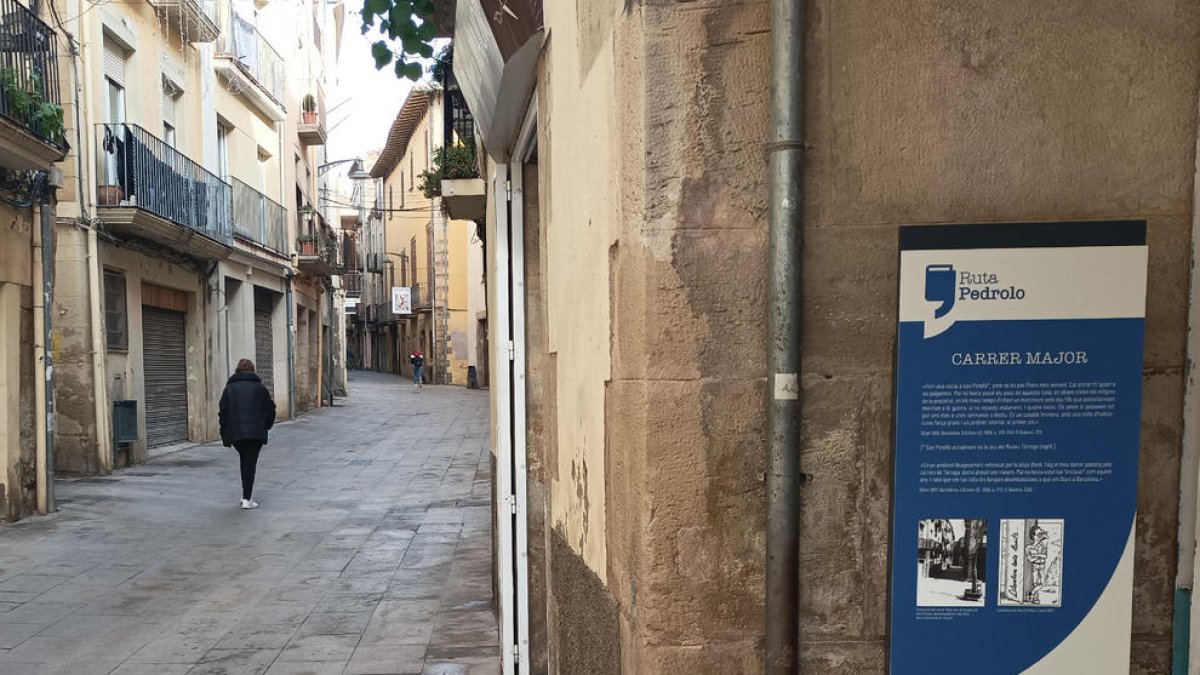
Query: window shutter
point(115, 59)
point(168, 106)
point(115, 317)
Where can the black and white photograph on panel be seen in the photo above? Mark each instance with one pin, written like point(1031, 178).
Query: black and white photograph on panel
point(951, 562)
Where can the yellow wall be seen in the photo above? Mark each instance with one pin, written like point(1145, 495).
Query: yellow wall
point(400, 191)
point(157, 50)
point(581, 205)
point(250, 131)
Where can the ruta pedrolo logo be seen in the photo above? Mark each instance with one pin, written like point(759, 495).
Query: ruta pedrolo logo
point(944, 286)
point(940, 287)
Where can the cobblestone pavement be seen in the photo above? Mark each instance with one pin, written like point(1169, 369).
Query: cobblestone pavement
point(370, 553)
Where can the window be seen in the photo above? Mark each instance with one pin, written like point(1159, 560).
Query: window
point(264, 159)
point(223, 133)
point(170, 97)
point(115, 61)
point(115, 101)
point(116, 319)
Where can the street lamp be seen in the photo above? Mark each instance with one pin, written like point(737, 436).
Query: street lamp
point(356, 168)
point(356, 173)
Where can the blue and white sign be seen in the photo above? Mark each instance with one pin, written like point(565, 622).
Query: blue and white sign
point(1018, 402)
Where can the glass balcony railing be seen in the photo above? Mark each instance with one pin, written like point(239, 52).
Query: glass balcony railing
point(259, 218)
point(254, 55)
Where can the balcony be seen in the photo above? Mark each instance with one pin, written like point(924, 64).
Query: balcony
point(317, 252)
point(190, 16)
point(312, 117)
point(31, 119)
point(464, 198)
point(258, 219)
point(252, 68)
point(420, 299)
point(148, 190)
point(352, 283)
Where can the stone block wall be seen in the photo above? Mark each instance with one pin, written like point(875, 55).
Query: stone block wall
point(917, 113)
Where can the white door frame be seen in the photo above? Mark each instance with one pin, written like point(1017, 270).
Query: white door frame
point(509, 382)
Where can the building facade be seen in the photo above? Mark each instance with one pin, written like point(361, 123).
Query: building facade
point(420, 247)
point(30, 146)
point(187, 241)
point(631, 426)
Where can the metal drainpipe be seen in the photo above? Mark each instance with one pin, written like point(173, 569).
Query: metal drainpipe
point(785, 154)
point(291, 343)
point(48, 318)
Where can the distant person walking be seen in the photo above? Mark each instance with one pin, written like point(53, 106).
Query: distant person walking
point(418, 364)
point(247, 413)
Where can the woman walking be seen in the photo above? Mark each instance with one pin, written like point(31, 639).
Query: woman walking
point(247, 413)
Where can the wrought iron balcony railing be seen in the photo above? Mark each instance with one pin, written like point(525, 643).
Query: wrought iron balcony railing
point(29, 73)
point(195, 19)
point(352, 282)
point(258, 218)
point(254, 55)
point(317, 249)
point(138, 169)
point(420, 300)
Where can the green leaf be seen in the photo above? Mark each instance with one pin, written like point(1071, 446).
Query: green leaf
point(383, 55)
point(425, 50)
point(374, 7)
point(413, 71)
point(427, 31)
point(423, 8)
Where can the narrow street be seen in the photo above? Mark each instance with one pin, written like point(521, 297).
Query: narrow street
point(370, 553)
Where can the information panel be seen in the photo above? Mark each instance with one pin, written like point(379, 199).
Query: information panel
point(1018, 400)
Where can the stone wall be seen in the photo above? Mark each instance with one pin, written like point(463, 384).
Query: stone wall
point(922, 113)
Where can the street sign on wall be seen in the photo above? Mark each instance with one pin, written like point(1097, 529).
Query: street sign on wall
point(401, 300)
point(1018, 400)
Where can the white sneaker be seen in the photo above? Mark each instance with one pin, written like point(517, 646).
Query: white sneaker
point(249, 504)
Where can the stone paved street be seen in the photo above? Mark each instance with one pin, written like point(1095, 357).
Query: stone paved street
point(370, 553)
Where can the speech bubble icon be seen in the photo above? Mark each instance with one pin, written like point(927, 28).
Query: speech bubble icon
point(939, 287)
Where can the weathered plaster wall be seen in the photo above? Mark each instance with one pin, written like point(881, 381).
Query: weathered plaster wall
point(579, 134)
point(18, 467)
point(653, 283)
point(124, 369)
point(476, 300)
point(75, 450)
point(251, 134)
point(156, 49)
point(684, 422)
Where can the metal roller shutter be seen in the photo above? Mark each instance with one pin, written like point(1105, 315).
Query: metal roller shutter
point(264, 348)
point(115, 59)
point(165, 362)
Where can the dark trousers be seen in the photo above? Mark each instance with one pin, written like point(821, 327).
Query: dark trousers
point(248, 450)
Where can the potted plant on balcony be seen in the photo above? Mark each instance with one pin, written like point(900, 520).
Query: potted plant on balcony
point(449, 163)
point(308, 108)
point(23, 102)
point(307, 243)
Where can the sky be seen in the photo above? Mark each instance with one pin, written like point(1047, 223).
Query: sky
point(368, 99)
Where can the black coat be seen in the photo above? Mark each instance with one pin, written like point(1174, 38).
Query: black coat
point(247, 410)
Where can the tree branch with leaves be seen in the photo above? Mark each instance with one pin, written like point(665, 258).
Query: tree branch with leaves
point(407, 30)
